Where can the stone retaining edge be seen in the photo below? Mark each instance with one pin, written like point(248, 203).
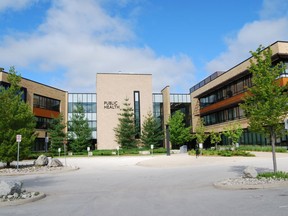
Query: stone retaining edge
point(220, 185)
point(23, 201)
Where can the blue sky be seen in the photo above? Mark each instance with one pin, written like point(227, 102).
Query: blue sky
point(64, 43)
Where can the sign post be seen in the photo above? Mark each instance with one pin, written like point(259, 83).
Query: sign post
point(65, 148)
point(152, 147)
point(18, 140)
point(46, 143)
point(286, 123)
point(59, 151)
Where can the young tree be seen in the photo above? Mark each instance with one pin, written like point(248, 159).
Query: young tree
point(266, 103)
point(179, 133)
point(125, 131)
point(233, 132)
point(152, 133)
point(79, 132)
point(56, 133)
point(16, 117)
point(200, 134)
point(215, 138)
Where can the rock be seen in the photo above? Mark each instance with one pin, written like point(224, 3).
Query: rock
point(42, 160)
point(250, 172)
point(10, 187)
point(55, 163)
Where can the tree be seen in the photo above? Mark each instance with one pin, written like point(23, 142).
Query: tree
point(125, 131)
point(266, 103)
point(200, 134)
point(152, 133)
point(179, 133)
point(233, 132)
point(16, 117)
point(56, 133)
point(215, 138)
point(79, 132)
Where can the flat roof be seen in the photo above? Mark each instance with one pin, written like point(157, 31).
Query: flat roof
point(34, 81)
point(219, 73)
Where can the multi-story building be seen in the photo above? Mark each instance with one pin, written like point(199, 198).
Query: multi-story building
point(216, 99)
point(46, 103)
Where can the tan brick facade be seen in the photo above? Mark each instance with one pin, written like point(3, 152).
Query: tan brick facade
point(43, 90)
point(278, 49)
point(112, 90)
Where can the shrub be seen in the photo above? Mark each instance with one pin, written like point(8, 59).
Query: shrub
point(274, 175)
point(159, 151)
point(103, 152)
point(35, 155)
point(223, 153)
point(266, 148)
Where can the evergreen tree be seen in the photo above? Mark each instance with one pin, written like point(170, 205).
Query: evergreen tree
point(266, 103)
point(125, 131)
point(179, 133)
point(56, 133)
point(79, 132)
point(152, 133)
point(16, 117)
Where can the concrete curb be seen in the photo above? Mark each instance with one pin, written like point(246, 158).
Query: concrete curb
point(62, 170)
point(223, 185)
point(23, 201)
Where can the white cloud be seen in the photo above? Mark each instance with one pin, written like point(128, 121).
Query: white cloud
point(15, 4)
point(272, 26)
point(248, 39)
point(274, 9)
point(80, 38)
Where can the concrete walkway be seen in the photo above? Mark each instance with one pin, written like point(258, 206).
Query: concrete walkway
point(151, 185)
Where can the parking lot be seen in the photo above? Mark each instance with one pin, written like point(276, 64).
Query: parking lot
point(152, 185)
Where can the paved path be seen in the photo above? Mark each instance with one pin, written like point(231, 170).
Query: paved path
point(146, 185)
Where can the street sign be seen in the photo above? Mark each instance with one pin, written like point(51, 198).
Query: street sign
point(18, 138)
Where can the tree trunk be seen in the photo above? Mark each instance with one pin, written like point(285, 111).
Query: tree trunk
point(273, 141)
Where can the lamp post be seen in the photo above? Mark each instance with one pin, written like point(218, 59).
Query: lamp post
point(167, 140)
point(46, 142)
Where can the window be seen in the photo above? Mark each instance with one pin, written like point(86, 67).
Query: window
point(137, 113)
point(46, 103)
point(230, 90)
point(223, 116)
point(42, 122)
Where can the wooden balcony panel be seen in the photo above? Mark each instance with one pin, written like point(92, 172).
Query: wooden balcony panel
point(45, 113)
point(222, 104)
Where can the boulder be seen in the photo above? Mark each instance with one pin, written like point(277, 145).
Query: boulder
point(54, 162)
point(10, 187)
point(42, 160)
point(250, 172)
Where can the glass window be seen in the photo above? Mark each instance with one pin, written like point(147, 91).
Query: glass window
point(46, 103)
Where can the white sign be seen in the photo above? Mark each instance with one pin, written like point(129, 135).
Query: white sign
point(286, 123)
point(59, 149)
point(152, 146)
point(18, 138)
point(88, 149)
